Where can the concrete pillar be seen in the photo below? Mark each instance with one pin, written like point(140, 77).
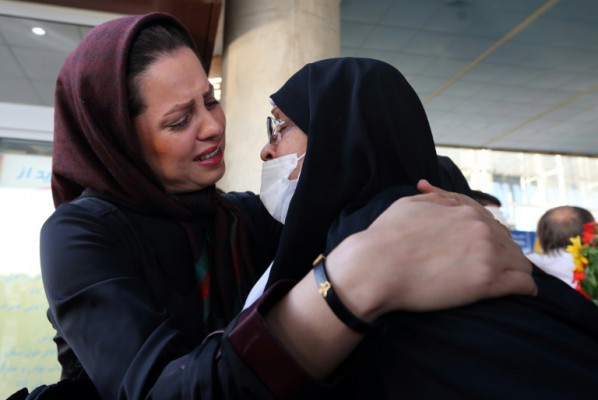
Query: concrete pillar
point(265, 42)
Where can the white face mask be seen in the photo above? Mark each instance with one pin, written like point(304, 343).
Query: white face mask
point(277, 189)
point(497, 214)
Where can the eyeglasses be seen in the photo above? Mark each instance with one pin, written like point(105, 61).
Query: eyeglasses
point(272, 124)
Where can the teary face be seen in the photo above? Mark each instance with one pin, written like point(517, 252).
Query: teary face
point(182, 128)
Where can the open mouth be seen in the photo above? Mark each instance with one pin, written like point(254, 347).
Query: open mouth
point(207, 156)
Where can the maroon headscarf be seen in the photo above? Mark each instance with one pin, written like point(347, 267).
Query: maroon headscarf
point(96, 147)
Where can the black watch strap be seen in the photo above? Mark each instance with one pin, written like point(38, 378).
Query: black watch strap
point(336, 305)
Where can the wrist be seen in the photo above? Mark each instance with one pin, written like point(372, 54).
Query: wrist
point(350, 274)
point(327, 291)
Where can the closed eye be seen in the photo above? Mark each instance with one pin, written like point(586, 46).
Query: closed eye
point(179, 124)
point(211, 102)
point(284, 127)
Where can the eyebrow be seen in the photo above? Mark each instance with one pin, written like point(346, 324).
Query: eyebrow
point(179, 107)
point(184, 106)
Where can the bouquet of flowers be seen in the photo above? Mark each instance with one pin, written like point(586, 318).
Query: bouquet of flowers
point(585, 256)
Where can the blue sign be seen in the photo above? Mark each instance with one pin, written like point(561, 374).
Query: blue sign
point(25, 170)
point(525, 240)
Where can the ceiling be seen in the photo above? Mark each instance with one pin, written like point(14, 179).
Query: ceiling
point(29, 64)
point(499, 74)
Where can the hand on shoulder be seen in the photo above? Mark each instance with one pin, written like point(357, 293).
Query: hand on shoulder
point(427, 252)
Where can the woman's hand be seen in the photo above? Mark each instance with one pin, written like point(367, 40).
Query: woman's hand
point(427, 252)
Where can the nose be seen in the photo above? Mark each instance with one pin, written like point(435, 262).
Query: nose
point(212, 125)
point(268, 152)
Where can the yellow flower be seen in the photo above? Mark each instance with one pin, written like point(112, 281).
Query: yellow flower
point(576, 249)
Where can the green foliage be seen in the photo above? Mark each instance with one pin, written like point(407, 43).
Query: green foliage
point(590, 283)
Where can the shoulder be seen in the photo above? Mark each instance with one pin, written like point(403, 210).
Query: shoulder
point(90, 214)
point(556, 257)
point(251, 206)
point(80, 210)
point(243, 199)
point(534, 257)
point(93, 206)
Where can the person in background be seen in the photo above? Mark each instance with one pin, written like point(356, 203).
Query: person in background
point(145, 265)
point(492, 204)
point(349, 136)
point(555, 228)
point(451, 177)
point(486, 199)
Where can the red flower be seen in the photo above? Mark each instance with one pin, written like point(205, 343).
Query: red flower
point(589, 232)
point(585, 260)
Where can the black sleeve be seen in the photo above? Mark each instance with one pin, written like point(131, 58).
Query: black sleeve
point(541, 347)
point(137, 331)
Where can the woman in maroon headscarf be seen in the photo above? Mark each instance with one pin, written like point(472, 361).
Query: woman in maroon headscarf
point(143, 259)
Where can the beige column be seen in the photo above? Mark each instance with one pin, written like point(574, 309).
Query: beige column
point(265, 42)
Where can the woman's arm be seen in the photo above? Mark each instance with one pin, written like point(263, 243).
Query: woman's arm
point(427, 252)
point(104, 301)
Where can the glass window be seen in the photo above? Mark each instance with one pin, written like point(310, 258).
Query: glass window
point(528, 184)
point(27, 353)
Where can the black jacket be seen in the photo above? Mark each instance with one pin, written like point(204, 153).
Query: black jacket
point(123, 294)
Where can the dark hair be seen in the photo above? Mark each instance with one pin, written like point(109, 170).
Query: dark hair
point(451, 177)
point(151, 43)
point(485, 199)
point(559, 224)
